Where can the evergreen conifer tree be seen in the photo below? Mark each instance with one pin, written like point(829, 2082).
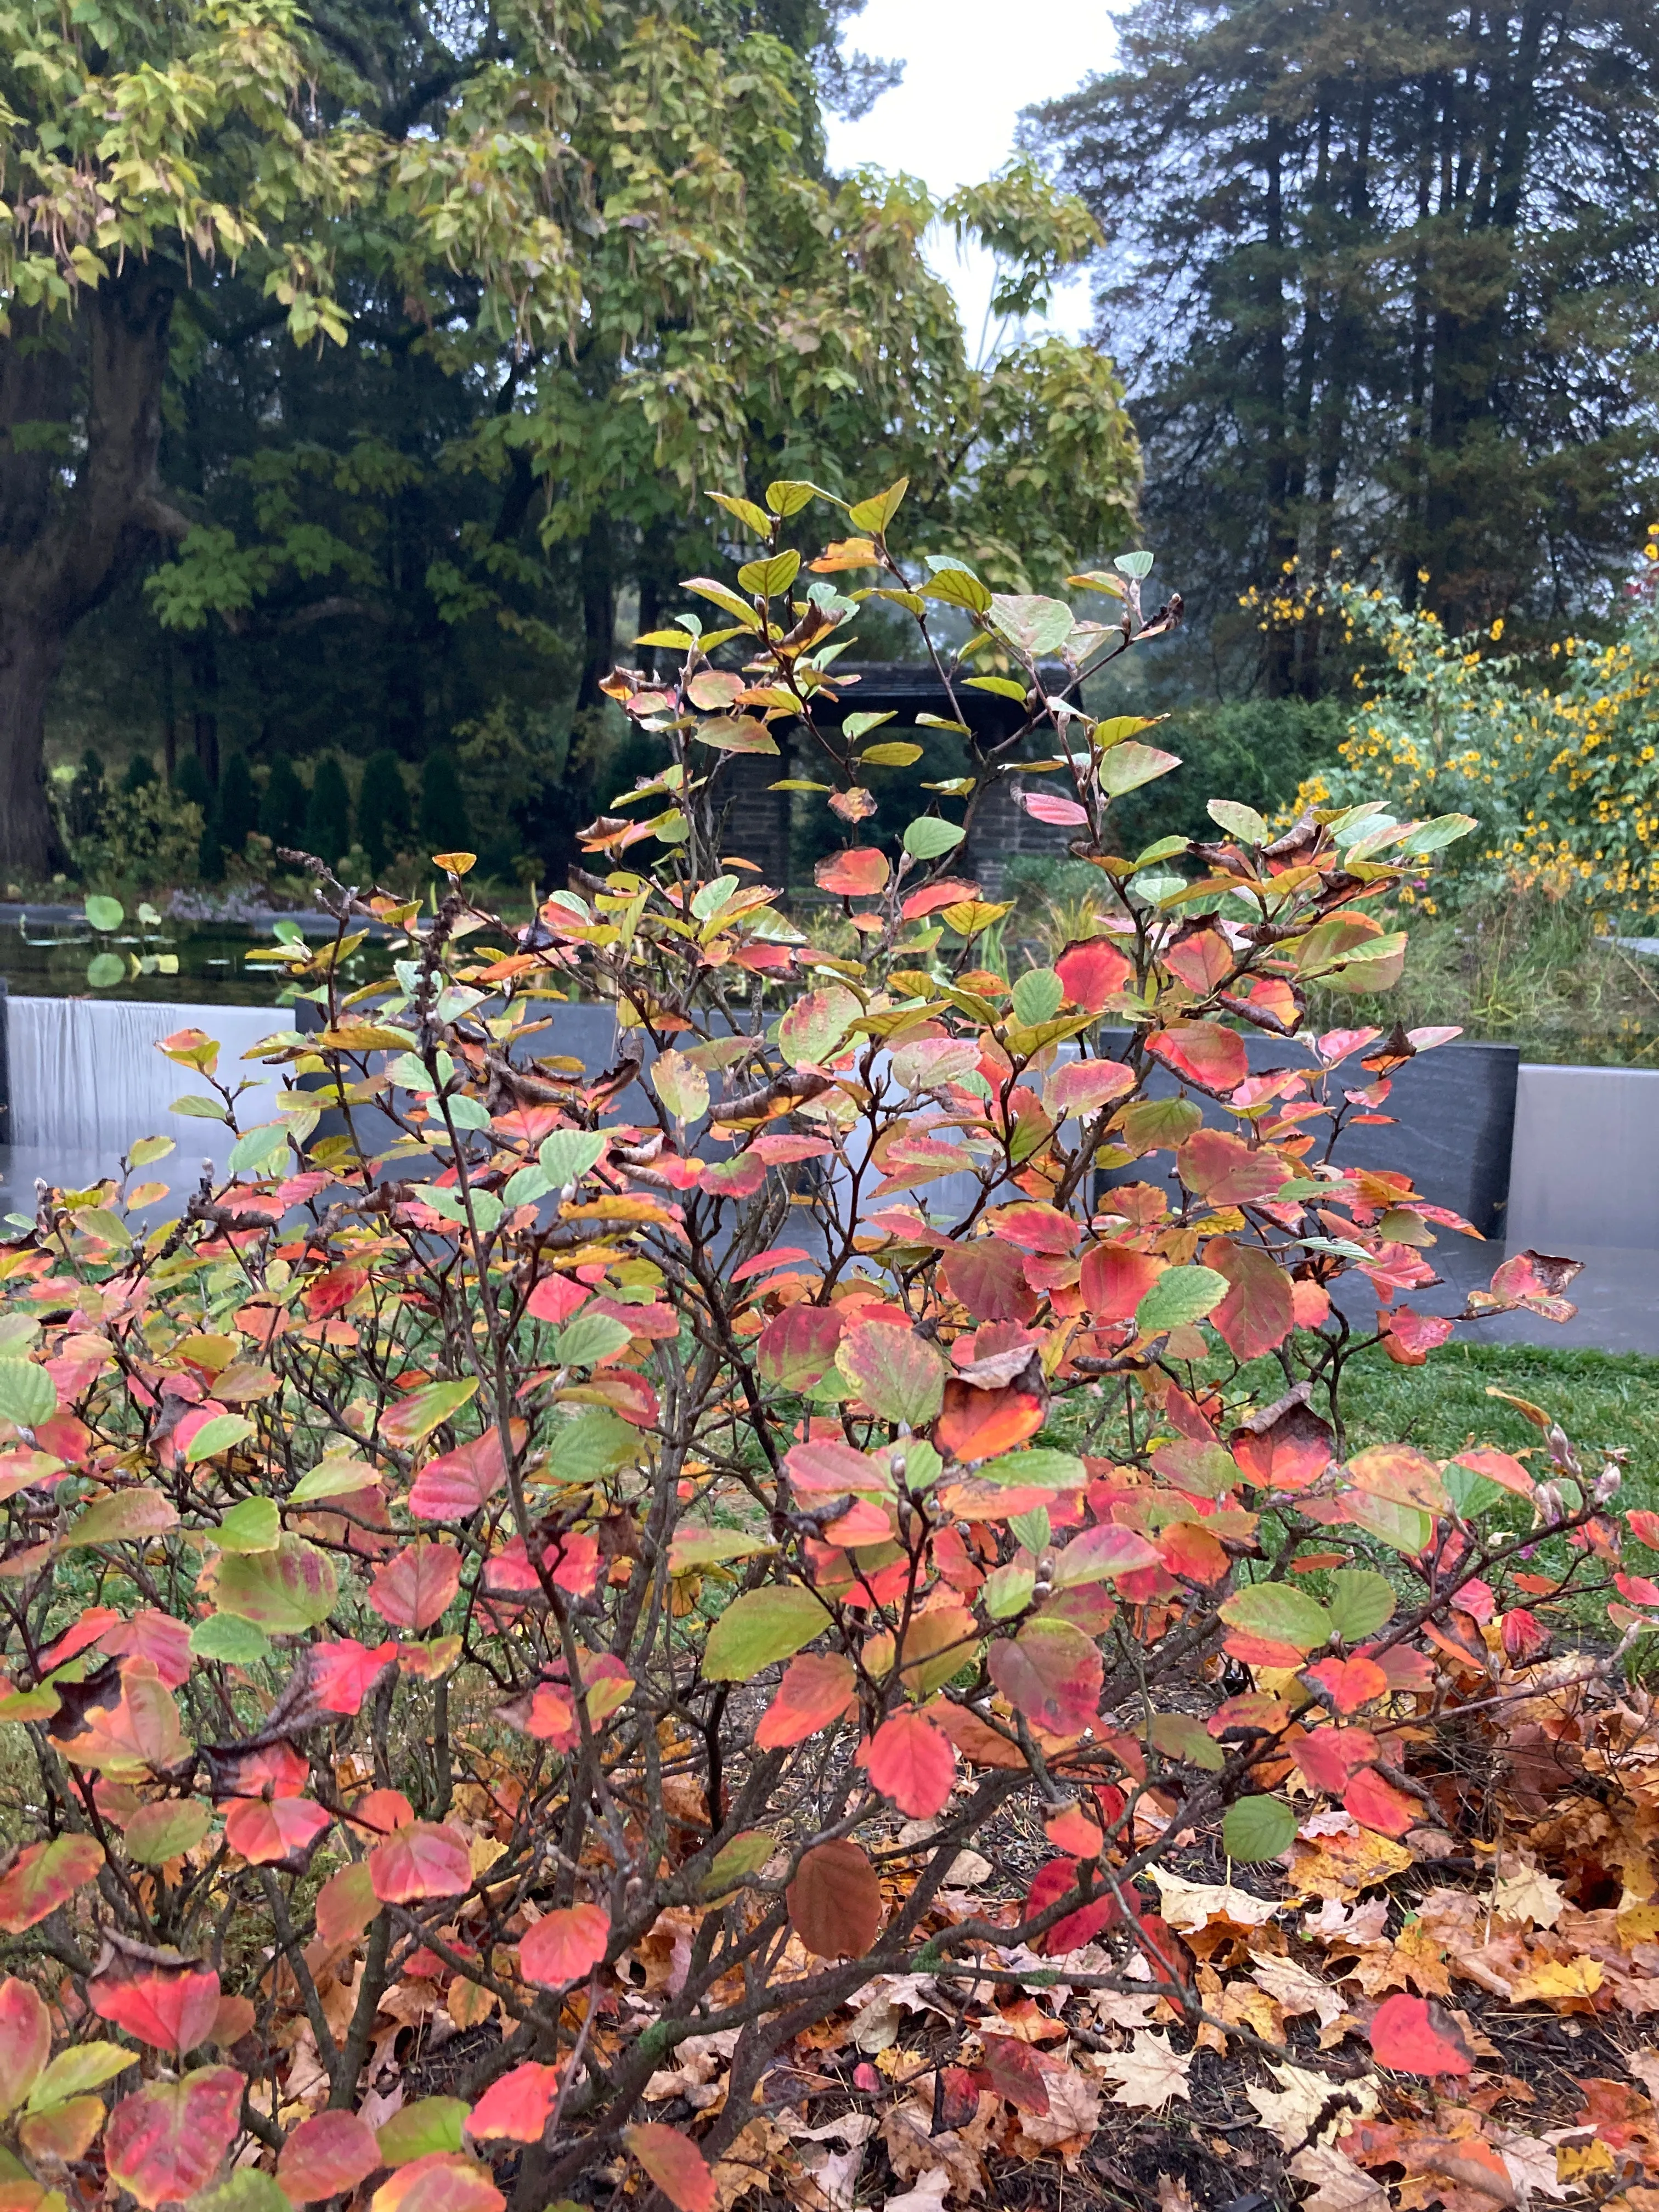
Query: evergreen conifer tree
point(383, 824)
point(282, 808)
point(238, 804)
point(328, 815)
point(444, 826)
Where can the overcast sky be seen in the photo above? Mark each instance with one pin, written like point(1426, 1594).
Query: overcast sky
point(971, 66)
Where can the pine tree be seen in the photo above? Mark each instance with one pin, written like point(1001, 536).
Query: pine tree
point(141, 770)
point(282, 808)
point(239, 805)
point(444, 825)
point(383, 809)
point(328, 815)
point(190, 780)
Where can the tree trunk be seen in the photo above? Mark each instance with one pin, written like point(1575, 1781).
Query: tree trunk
point(61, 555)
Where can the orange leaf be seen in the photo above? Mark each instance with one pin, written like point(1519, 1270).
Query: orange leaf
point(564, 1945)
point(817, 1689)
point(675, 2165)
point(1413, 2035)
point(910, 1762)
point(517, 2106)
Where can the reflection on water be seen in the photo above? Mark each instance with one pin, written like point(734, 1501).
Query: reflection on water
point(46, 952)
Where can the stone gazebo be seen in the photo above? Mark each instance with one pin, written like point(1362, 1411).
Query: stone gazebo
point(758, 824)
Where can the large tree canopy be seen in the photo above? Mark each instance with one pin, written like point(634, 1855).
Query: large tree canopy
point(1386, 271)
point(412, 339)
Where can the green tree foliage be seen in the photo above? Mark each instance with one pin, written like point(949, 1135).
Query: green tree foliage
point(549, 274)
point(382, 808)
point(283, 805)
point(190, 780)
point(238, 804)
point(1385, 272)
point(328, 811)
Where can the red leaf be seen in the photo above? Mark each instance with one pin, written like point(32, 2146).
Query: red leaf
point(989, 1279)
point(417, 1587)
point(1208, 1056)
point(555, 1298)
point(426, 1859)
point(346, 1904)
point(325, 2155)
point(1351, 1683)
point(1048, 807)
point(861, 873)
point(1377, 1804)
point(1408, 1338)
point(835, 1901)
point(1034, 1227)
point(910, 1762)
point(1286, 1452)
point(816, 1688)
point(675, 2165)
point(44, 1877)
point(933, 896)
point(381, 1812)
point(979, 1425)
point(1201, 957)
point(1052, 1881)
point(1256, 1314)
point(1093, 970)
point(1413, 2035)
point(453, 1487)
point(797, 1347)
point(1014, 2072)
point(165, 2005)
point(1115, 1279)
point(274, 1832)
point(517, 2106)
point(1072, 1832)
point(1052, 1673)
point(345, 1672)
point(1524, 1635)
point(1222, 1168)
point(442, 2181)
point(165, 2141)
point(564, 1945)
point(25, 2040)
point(156, 1637)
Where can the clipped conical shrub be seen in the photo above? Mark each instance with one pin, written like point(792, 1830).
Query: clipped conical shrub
point(444, 825)
point(383, 826)
point(328, 815)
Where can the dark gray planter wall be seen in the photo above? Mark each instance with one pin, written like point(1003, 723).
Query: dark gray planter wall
point(1453, 1130)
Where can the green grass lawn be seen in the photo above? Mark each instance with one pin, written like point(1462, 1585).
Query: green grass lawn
point(1602, 1400)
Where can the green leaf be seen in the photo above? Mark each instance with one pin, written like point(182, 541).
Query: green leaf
point(1444, 829)
point(588, 1338)
point(899, 1375)
point(956, 587)
point(706, 588)
point(1407, 1529)
point(255, 1525)
point(104, 970)
point(434, 2123)
point(105, 914)
point(1181, 1735)
point(525, 1187)
point(736, 1861)
point(1038, 996)
point(1158, 1123)
point(415, 1416)
point(1257, 1828)
point(1240, 822)
point(161, 1831)
point(569, 1154)
point(72, 2073)
point(854, 726)
point(1041, 1468)
point(128, 1516)
point(930, 836)
point(260, 1152)
point(227, 1637)
point(596, 1442)
point(897, 754)
point(766, 578)
point(815, 1025)
point(754, 518)
point(27, 1393)
point(245, 2191)
point(1278, 1613)
point(762, 1626)
point(148, 1150)
point(1360, 1601)
point(786, 496)
point(1133, 564)
point(200, 1108)
point(284, 1592)
point(1032, 1528)
point(1126, 767)
point(1178, 1298)
point(1003, 686)
point(1036, 625)
point(691, 1549)
point(873, 515)
point(219, 1435)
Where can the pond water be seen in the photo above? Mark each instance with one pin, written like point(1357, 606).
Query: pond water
point(50, 952)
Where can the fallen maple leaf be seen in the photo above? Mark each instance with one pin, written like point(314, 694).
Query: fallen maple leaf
point(1149, 2073)
point(1292, 2110)
point(928, 2196)
point(1339, 2185)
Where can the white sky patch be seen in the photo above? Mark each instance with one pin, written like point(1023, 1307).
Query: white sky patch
point(971, 66)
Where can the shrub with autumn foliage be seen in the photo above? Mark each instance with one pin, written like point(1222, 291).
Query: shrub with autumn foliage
point(517, 1604)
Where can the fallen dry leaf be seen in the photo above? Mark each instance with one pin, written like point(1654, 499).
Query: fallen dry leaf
point(1292, 2110)
point(928, 2195)
point(1339, 2185)
point(1150, 2072)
